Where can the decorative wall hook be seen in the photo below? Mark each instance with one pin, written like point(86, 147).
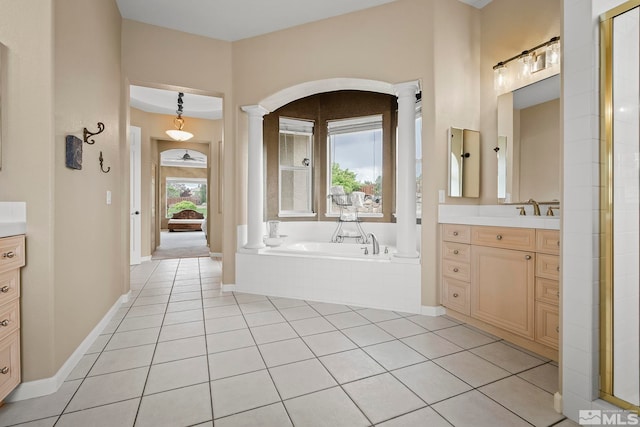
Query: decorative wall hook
point(88, 134)
point(101, 164)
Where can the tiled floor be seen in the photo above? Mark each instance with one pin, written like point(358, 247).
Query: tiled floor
point(183, 353)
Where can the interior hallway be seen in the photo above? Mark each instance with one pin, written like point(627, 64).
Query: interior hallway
point(184, 353)
point(181, 244)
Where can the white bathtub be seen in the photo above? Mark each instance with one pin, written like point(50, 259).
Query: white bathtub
point(337, 273)
point(332, 250)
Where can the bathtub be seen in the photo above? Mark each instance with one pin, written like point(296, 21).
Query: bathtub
point(332, 250)
point(338, 273)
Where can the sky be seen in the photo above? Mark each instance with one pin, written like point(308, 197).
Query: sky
point(360, 152)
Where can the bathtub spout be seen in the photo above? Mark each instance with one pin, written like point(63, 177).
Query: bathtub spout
point(374, 241)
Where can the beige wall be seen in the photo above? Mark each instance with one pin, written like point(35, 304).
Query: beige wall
point(508, 27)
point(205, 67)
point(208, 134)
point(28, 147)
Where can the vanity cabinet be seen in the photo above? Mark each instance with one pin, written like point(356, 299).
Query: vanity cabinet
point(503, 277)
point(12, 257)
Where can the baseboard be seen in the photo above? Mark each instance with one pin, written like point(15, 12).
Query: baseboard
point(145, 258)
point(557, 402)
point(228, 288)
point(37, 388)
point(215, 254)
point(433, 310)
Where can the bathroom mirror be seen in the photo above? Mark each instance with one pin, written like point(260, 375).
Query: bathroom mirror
point(464, 163)
point(528, 147)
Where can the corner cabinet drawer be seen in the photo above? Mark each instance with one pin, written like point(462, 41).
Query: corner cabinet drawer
point(547, 324)
point(548, 241)
point(455, 295)
point(456, 233)
point(502, 237)
point(458, 252)
point(548, 266)
point(9, 318)
point(547, 290)
point(456, 270)
point(9, 286)
point(11, 253)
point(9, 364)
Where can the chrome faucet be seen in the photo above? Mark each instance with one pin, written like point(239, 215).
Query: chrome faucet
point(536, 207)
point(374, 241)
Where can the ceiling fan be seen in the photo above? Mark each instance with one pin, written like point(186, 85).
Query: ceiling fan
point(187, 157)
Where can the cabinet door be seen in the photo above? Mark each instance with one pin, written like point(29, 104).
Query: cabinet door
point(502, 288)
point(455, 295)
point(547, 324)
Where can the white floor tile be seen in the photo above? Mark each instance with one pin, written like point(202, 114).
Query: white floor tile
point(382, 397)
point(223, 324)
point(182, 407)
point(242, 392)
point(347, 319)
point(464, 337)
point(271, 333)
point(430, 382)
point(176, 374)
point(367, 335)
point(327, 408)
point(283, 352)
point(230, 340)
point(394, 354)
point(312, 326)
point(329, 342)
point(471, 369)
point(39, 407)
point(545, 377)
point(109, 388)
point(181, 330)
point(301, 378)
point(422, 417)
point(401, 328)
point(507, 357)
point(264, 318)
point(138, 337)
point(115, 414)
point(479, 411)
point(234, 362)
point(431, 345)
point(179, 349)
point(375, 315)
point(267, 416)
point(297, 313)
point(351, 365)
point(182, 317)
point(123, 359)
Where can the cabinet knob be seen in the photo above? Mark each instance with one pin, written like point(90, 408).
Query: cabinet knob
point(5, 322)
point(4, 370)
point(9, 254)
point(455, 295)
point(558, 329)
point(455, 252)
point(499, 237)
point(5, 289)
point(455, 270)
point(527, 257)
point(558, 268)
point(558, 294)
point(455, 233)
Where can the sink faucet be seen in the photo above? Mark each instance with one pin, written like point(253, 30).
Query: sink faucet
point(374, 241)
point(536, 207)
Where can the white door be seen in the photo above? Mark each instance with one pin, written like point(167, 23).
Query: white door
point(135, 228)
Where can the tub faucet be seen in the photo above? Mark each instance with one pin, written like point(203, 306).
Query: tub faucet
point(536, 207)
point(374, 241)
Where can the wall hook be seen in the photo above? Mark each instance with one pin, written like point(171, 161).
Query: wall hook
point(88, 134)
point(101, 164)
point(496, 149)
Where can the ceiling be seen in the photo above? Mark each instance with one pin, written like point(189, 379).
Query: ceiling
point(228, 20)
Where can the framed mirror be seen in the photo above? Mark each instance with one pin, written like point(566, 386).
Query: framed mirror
point(464, 163)
point(528, 148)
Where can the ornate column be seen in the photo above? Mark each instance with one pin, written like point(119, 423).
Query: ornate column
point(406, 152)
point(255, 177)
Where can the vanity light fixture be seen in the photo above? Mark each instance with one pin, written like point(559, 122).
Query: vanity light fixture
point(178, 134)
point(535, 59)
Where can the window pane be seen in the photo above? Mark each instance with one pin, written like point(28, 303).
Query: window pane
point(295, 189)
point(356, 162)
point(294, 149)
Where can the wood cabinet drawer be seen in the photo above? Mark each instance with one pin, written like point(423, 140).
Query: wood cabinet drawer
point(458, 252)
point(547, 324)
point(456, 233)
point(9, 364)
point(547, 290)
point(9, 318)
point(503, 237)
point(455, 295)
point(548, 266)
point(456, 270)
point(11, 253)
point(548, 241)
point(9, 286)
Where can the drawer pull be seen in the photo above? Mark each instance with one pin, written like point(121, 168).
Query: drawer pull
point(5, 289)
point(558, 268)
point(455, 233)
point(455, 295)
point(455, 252)
point(558, 294)
point(499, 237)
point(4, 370)
point(558, 329)
point(527, 257)
point(455, 269)
point(9, 254)
point(5, 322)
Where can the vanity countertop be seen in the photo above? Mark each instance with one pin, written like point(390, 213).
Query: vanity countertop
point(13, 218)
point(496, 216)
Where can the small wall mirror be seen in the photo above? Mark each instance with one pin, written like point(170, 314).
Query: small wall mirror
point(464, 163)
point(529, 138)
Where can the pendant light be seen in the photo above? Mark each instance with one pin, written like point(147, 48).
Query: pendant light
point(178, 134)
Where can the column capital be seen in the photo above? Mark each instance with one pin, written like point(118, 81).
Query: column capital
point(407, 88)
point(255, 110)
